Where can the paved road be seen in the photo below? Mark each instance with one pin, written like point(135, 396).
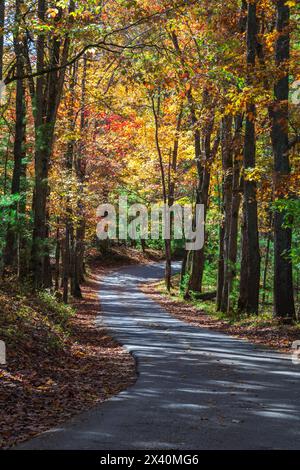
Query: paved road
point(196, 389)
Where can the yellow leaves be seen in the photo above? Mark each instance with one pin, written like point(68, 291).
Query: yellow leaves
point(79, 354)
point(253, 174)
point(291, 3)
point(86, 15)
point(48, 384)
point(23, 8)
point(52, 12)
point(270, 39)
point(238, 100)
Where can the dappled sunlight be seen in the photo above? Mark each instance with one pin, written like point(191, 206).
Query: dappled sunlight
point(195, 387)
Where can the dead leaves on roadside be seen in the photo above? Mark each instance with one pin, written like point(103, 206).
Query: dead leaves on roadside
point(52, 375)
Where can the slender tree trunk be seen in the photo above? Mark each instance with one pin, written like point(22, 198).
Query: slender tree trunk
point(41, 162)
point(2, 18)
point(70, 253)
point(250, 202)
point(80, 166)
point(234, 217)
point(242, 303)
point(57, 258)
point(184, 267)
point(47, 268)
point(168, 190)
point(221, 268)
point(47, 96)
point(204, 176)
point(11, 251)
point(66, 265)
point(265, 279)
point(171, 197)
point(284, 306)
point(197, 258)
point(227, 164)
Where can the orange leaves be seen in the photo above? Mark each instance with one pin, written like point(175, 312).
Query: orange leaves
point(52, 12)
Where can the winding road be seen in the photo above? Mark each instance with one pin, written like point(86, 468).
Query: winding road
point(196, 389)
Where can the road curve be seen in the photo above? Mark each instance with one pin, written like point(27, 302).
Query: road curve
point(196, 389)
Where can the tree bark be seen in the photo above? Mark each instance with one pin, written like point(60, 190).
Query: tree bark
point(227, 166)
point(242, 303)
point(204, 177)
point(10, 257)
point(2, 18)
point(250, 202)
point(47, 96)
point(231, 259)
point(80, 166)
point(284, 306)
point(220, 268)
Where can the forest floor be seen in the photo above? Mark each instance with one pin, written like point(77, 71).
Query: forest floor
point(262, 329)
point(58, 363)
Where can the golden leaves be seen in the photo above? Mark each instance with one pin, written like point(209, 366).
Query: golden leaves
point(52, 12)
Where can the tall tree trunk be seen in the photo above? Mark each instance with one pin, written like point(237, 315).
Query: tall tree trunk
point(80, 166)
point(266, 268)
point(203, 173)
point(47, 96)
point(250, 202)
point(2, 18)
point(227, 166)
point(66, 264)
point(220, 287)
point(41, 162)
point(230, 268)
point(10, 257)
point(204, 176)
point(284, 306)
point(197, 257)
point(57, 258)
point(242, 303)
point(168, 187)
point(70, 253)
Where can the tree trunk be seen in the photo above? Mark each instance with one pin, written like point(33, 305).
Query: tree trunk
point(41, 163)
point(66, 265)
point(265, 277)
point(220, 269)
point(227, 165)
point(10, 257)
point(242, 303)
point(234, 216)
point(184, 267)
point(204, 177)
point(2, 18)
point(47, 96)
point(250, 202)
point(284, 306)
point(57, 258)
point(80, 166)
